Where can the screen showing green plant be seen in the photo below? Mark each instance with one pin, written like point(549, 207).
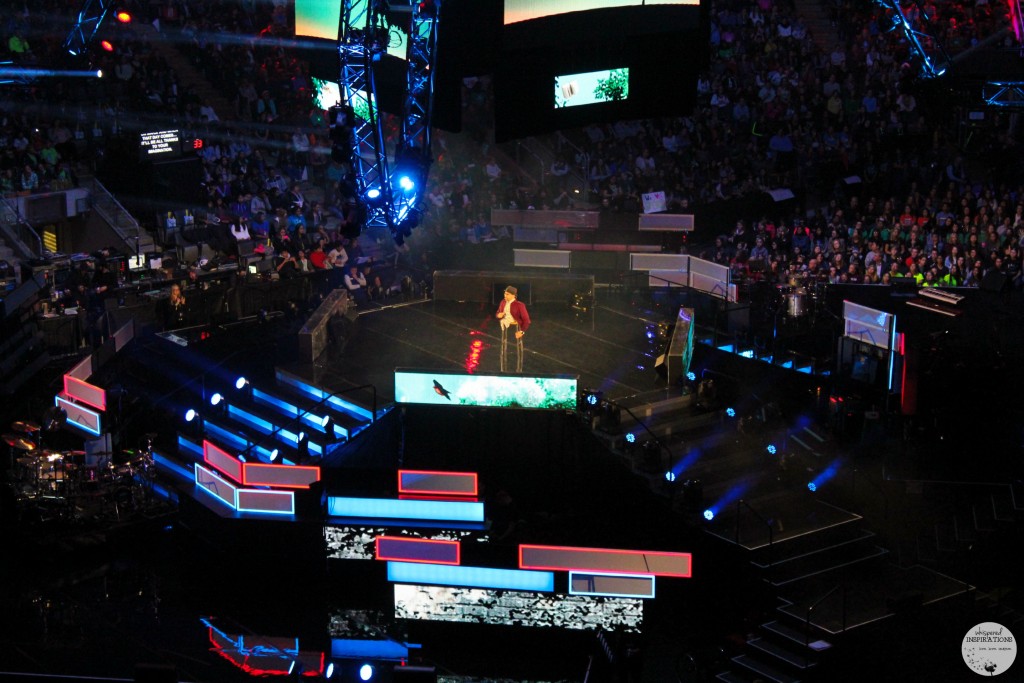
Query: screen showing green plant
point(593, 87)
point(326, 93)
point(494, 391)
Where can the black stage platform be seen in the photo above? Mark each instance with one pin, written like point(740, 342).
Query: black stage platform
point(865, 549)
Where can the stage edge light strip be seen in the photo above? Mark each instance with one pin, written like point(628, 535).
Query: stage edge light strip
point(472, 577)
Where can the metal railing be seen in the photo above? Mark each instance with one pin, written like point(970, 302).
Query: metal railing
point(740, 504)
point(121, 221)
point(813, 606)
point(581, 176)
point(21, 236)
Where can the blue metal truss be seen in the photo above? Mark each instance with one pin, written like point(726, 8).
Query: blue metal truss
point(87, 23)
point(1004, 94)
point(390, 189)
point(934, 60)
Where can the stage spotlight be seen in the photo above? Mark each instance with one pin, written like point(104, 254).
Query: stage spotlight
point(241, 458)
point(670, 476)
point(107, 45)
point(240, 383)
point(772, 450)
point(709, 514)
point(329, 671)
point(406, 183)
point(124, 17)
point(365, 672)
point(191, 415)
point(216, 399)
point(731, 412)
point(631, 438)
point(812, 487)
point(373, 193)
point(274, 454)
point(691, 377)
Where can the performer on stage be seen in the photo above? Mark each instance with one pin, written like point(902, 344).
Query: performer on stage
point(512, 313)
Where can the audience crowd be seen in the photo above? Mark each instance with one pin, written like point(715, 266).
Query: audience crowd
point(884, 187)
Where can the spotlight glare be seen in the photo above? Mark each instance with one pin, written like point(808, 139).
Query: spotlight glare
point(372, 193)
point(329, 671)
point(325, 420)
point(190, 414)
point(274, 454)
point(670, 476)
point(709, 514)
point(302, 436)
point(107, 45)
point(631, 438)
point(592, 399)
point(812, 487)
point(406, 183)
point(99, 73)
point(240, 383)
point(772, 449)
point(731, 412)
point(124, 17)
point(216, 399)
point(691, 377)
point(365, 672)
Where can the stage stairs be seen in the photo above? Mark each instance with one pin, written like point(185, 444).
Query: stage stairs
point(289, 422)
point(831, 578)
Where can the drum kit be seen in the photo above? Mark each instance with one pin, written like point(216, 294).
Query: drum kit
point(75, 483)
point(796, 300)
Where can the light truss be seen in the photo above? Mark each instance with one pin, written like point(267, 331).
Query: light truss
point(87, 23)
point(934, 60)
point(390, 190)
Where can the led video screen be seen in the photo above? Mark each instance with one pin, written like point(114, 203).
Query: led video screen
point(326, 94)
point(492, 391)
point(592, 87)
point(525, 10)
point(321, 19)
point(651, 56)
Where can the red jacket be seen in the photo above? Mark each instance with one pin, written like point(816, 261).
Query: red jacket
point(519, 313)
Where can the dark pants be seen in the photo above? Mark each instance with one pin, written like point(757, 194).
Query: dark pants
point(518, 343)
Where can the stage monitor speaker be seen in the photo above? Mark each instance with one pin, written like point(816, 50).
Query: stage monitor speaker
point(994, 281)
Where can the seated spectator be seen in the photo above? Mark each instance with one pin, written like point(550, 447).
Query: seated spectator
point(337, 257)
point(318, 258)
point(355, 283)
point(285, 265)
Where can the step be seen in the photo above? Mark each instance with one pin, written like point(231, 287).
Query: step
point(796, 635)
point(295, 383)
point(279, 431)
point(733, 677)
point(809, 544)
point(825, 561)
point(784, 654)
point(764, 670)
point(312, 412)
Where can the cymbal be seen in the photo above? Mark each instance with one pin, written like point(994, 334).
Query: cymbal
point(19, 442)
point(27, 427)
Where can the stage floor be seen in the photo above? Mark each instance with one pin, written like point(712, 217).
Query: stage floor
point(613, 348)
